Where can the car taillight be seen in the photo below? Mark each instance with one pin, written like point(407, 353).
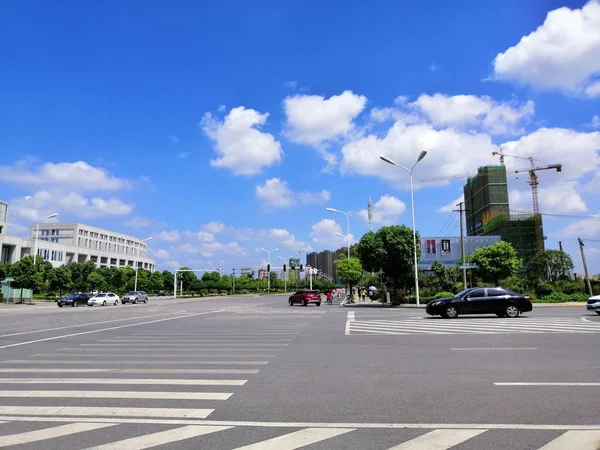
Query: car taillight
point(528, 298)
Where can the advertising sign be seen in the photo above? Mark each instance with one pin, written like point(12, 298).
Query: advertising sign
point(430, 246)
point(446, 249)
point(294, 263)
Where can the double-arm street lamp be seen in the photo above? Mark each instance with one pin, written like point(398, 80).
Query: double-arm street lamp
point(37, 232)
point(347, 225)
point(269, 267)
point(412, 202)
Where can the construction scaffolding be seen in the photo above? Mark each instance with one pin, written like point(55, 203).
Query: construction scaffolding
point(520, 230)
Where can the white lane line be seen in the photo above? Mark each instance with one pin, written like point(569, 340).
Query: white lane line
point(85, 324)
point(580, 440)
point(351, 316)
point(95, 411)
point(118, 370)
point(414, 426)
point(109, 328)
point(140, 381)
point(145, 362)
point(438, 440)
point(547, 384)
point(142, 344)
point(119, 394)
point(49, 433)
point(207, 340)
point(492, 348)
point(297, 439)
point(159, 438)
point(163, 354)
point(170, 351)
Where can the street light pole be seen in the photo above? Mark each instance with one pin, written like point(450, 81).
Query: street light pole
point(284, 276)
point(137, 263)
point(233, 280)
point(347, 225)
point(269, 267)
point(37, 232)
point(412, 202)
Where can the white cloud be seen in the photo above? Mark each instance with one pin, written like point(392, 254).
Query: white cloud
point(275, 193)
point(449, 153)
point(292, 85)
point(285, 238)
point(559, 198)
point(313, 119)
point(595, 123)
point(76, 176)
point(563, 53)
point(386, 210)
point(169, 236)
point(450, 207)
point(42, 203)
point(433, 67)
point(324, 232)
point(205, 236)
point(593, 90)
point(183, 155)
point(137, 222)
point(587, 228)
point(215, 227)
point(464, 111)
point(577, 152)
point(241, 146)
point(162, 255)
point(231, 248)
point(221, 108)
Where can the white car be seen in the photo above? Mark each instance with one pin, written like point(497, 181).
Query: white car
point(593, 304)
point(103, 299)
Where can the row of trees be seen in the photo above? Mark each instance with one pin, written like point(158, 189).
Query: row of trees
point(46, 280)
point(386, 258)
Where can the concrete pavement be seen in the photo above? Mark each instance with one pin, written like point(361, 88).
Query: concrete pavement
point(252, 372)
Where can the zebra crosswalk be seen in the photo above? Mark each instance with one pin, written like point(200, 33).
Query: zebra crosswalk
point(470, 325)
point(223, 436)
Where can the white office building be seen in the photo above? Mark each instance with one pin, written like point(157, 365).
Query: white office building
point(66, 243)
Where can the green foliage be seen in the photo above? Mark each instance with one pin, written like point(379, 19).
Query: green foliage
point(543, 289)
point(24, 274)
point(60, 279)
point(96, 281)
point(550, 265)
point(349, 271)
point(569, 287)
point(516, 283)
point(443, 295)
point(496, 262)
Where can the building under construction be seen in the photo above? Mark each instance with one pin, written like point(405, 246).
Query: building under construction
point(488, 212)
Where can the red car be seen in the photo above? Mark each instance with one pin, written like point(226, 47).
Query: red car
point(305, 297)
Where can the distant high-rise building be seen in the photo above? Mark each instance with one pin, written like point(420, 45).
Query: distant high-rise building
point(311, 259)
point(370, 213)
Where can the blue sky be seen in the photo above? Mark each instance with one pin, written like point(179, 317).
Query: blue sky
point(220, 127)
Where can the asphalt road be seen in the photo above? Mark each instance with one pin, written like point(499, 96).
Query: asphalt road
point(251, 372)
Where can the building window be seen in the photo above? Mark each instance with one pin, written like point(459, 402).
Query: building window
point(94, 258)
point(78, 242)
point(113, 261)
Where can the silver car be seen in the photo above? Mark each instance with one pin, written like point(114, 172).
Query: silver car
point(135, 297)
point(103, 299)
point(593, 304)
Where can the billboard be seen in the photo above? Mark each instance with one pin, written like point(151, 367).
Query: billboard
point(294, 263)
point(246, 271)
point(446, 248)
point(430, 245)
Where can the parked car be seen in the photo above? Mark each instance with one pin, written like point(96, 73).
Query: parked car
point(593, 304)
point(134, 297)
point(481, 300)
point(73, 300)
point(103, 299)
point(305, 296)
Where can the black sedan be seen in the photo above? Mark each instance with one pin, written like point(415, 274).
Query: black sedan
point(73, 300)
point(481, 300)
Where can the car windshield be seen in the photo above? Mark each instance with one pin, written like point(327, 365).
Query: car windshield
point(72, 296)
point(461, 293)
point(132, 293)
point(311, 292)
point(101, 295)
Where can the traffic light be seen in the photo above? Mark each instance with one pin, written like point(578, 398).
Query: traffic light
point(268, 267)
point(284, 268)
point(300, 267)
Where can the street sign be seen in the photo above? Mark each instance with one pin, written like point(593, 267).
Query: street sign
point(469, 266)
point(246, 270)
point(8, 279)
point(294, 263)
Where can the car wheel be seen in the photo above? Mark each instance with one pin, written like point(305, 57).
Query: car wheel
point(104, 303)
point(116, 302)
point(598, 312)
point(145, 300)
point(451, 312)
point(512, 311)
point(74, 304)
point(318, 303)
point(500, 314)
point(135, 301)
point(304, 303)
point(60, 305)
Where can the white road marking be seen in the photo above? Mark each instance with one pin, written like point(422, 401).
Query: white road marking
point(157, 362)
point(351, 316)
point(438, 440)
point(229, 341)
point(159, 438)
point(414, 426)
point(493, 348)
point(169, 351)
point(141, 381)
point(580, 440)
point(163, 354)
point(109, 329)
point(297, 439)
point(85, 324)
point(118, 394)
point(142, 344)
point(547, 384)
point(94, 411)
point(143, 371)
point(49, 433)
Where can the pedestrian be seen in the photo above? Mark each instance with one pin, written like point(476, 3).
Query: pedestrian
point(328, 294)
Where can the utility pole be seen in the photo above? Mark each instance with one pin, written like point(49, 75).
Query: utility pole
point(233, 280)
point(560, 246)
point(585, 270)
point(462, 244)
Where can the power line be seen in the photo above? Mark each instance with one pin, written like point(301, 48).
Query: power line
point(446, 224)
point(558, 215)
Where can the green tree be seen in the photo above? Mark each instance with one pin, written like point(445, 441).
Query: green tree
point(80, 273)
point(4, 270)
point(96, 281)
point(496, 262)
point(189, 279)
point(24, 273)
point(550, 265)
point(371, 252)
point(446, 276)
point(156, 282)
point(60, 279)
point(349, 271)
point(167, 280)
point(210, 280)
